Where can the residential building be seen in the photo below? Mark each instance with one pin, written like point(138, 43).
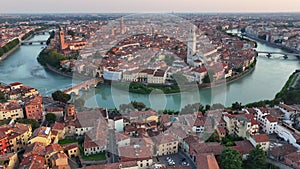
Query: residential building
point(143, 116)
point(11, 110)
point(72, 150)
point(221, 131)
point(206, 161)
point(42, 134)
point(60, 129)
point(165, 144)
point(141, 154)
point(293, 160)
point(188, 141)
point(260, 140)
point(198, 126)
point(122, 140)
point(33, 162)
point(210, 148)
point(95, 141)
point(60, 160)
point(269, 124)
point(51, 150)
point(9, 161)
point(279, 152)
point(243, 147)
point(287, 110)
point(17, 136)
point(34, 109)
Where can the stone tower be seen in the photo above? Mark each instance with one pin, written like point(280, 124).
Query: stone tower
point(62, 43)
point(122, 26)
point(191, 46)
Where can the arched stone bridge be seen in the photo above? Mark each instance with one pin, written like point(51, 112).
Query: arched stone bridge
point(284, 54)
point(92, 83)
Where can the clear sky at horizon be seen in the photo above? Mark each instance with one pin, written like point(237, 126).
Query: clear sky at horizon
point(101, 6)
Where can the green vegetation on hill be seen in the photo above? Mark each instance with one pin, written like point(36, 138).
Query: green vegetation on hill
point(53, 58)
point(290, 93)
point(10, 45)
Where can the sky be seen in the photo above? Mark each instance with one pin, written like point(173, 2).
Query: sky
point(146, 6)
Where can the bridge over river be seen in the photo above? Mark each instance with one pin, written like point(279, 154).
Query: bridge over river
point(85, 85)
point(285, 55)
point(30, 42)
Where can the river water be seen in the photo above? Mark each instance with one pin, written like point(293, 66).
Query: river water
point(264, 82)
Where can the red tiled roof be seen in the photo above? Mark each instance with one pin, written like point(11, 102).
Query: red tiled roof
point(295, 156)
point(206, 161)
point(260, 138)
point(53, 148)
point(271, 119)
point(244, 147)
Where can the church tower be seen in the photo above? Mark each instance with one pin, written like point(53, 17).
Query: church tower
point(122, 26)
point(191, 46)
point(62, 43)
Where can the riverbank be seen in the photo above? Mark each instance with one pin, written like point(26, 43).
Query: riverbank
point(141, 88)
point(284, 48)
point(54, 70)
point(5, 55)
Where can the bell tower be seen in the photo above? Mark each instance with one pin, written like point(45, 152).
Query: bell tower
point(63, 45)
point(191, 46)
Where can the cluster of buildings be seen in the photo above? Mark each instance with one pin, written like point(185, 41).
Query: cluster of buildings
point(139, 137)
point(124, 50)
point(11, 32)
point(281, 34)
point(142, 136)
point(21, 101)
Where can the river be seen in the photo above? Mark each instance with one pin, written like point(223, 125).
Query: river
point(22, 66)
point(264, 82)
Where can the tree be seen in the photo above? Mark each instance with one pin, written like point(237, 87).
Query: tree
point(2, 97)
point(1, 52)
point(256, 159)
point(207, 107)
point(61, 96)
point(138, 105)
point(51, 118)
point(236, 106)
point(71, 32)
point(231, 159)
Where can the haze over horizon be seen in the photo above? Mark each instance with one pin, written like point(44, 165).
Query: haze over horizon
point(136, 6)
